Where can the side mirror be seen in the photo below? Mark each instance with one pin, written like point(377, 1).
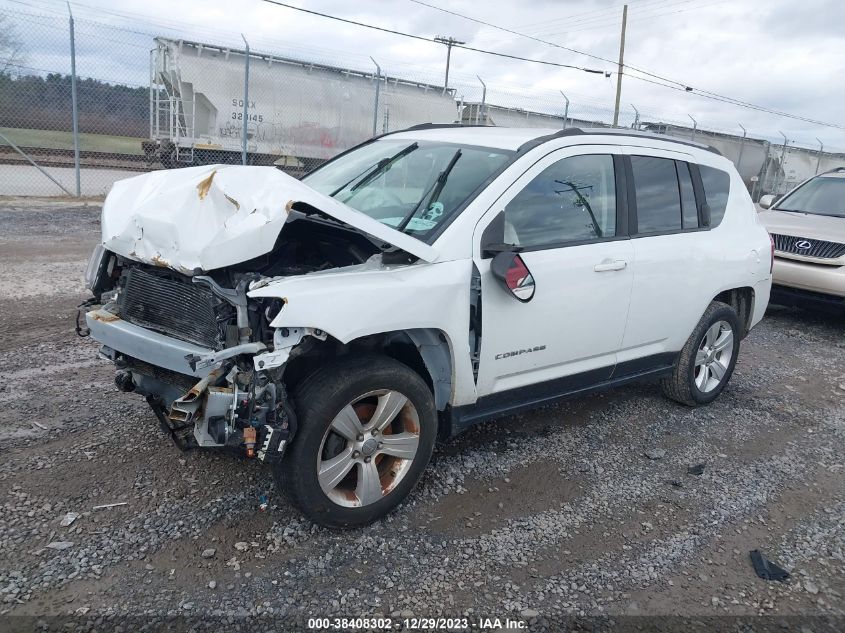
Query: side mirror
point(514, 275)
point(766, 201)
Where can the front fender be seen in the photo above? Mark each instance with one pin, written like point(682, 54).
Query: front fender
point(349, 303)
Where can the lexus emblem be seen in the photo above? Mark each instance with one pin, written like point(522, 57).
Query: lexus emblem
point(803, 244)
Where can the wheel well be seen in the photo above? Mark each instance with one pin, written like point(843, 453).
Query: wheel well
point(425, 351)
point(742, 301)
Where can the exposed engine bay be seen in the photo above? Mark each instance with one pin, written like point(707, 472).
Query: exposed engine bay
point(228, 390)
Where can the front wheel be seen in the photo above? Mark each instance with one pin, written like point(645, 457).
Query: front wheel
point(367, 427)
point(707, 361)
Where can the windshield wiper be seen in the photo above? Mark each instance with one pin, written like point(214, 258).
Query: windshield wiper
point(431, 194)
point(824, 215)
point(374, 170)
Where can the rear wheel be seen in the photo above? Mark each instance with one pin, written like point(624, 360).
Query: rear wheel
point(367, 428)
point(707, 361)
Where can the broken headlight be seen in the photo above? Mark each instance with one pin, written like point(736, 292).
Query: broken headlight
point(94, 270)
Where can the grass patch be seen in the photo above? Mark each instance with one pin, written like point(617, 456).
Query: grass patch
point(53, 139)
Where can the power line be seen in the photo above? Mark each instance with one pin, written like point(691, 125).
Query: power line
point(547, 28)
point(426, 39)
point(750, 106)
point(677, 85)
point(639, 17)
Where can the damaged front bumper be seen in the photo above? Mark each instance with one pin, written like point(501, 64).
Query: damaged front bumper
point(146, 345)
point(204, 397)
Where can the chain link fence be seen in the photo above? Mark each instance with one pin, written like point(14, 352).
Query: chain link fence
point(157, 100)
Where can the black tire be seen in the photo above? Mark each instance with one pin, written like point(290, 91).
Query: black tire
point(681, 384)
point(318, 400)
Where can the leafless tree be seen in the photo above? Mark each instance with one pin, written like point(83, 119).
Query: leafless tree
point(11, 46)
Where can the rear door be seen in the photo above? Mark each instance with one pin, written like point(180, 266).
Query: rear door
point(565, 218)
point(675, 257)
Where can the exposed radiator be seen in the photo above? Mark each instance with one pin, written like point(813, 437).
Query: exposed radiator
point(179, 309)
point(819, 249)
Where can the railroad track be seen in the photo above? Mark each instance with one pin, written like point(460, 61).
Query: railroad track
point(48, 157)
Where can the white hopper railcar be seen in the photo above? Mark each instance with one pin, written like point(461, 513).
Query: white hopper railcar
point(299, 113)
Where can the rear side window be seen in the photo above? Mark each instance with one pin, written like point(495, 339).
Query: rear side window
point(657, 194)
point(717, 187)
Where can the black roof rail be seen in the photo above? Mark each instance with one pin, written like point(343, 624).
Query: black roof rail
point(835, 170)
point(436, 126)
point(573, 131)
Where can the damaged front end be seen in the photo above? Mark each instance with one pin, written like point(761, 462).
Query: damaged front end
point(170, 280)
point(203, 355)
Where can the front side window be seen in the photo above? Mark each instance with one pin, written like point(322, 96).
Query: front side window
point(717, 186)
point(820, 196)
point(572, 200)
point(657, 194)
point(411, 186)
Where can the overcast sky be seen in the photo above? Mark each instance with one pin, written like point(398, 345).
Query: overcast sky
point(781, 54)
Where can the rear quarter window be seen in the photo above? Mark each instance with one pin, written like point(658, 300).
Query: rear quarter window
point(717, 187)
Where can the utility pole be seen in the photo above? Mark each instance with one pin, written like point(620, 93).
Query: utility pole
point(621, 66)
point(449, 42)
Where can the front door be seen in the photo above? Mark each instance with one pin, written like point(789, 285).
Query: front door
point(563, 218)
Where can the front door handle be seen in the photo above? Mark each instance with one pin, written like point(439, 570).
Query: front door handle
point(606, 266)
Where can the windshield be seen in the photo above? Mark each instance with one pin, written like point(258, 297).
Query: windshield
point(819, 196)
point(411, 186)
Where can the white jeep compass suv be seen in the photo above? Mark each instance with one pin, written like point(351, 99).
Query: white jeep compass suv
point(415, 285)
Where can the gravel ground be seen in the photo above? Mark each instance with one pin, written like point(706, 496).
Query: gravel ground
point(549, 517)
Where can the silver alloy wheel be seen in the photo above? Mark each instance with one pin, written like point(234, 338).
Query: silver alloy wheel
point(368, 448)
point(714, 356)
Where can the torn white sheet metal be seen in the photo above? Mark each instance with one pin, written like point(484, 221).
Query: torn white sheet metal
point(382, 299)
point(217, 215)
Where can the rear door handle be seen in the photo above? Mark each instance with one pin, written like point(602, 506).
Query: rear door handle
point(606, 266)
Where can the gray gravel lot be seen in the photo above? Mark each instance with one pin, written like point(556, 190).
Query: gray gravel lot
point(553, 514)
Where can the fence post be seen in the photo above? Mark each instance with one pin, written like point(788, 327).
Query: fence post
point(741, 147)
point(483, 101)
point(74, 106)
point(378, 89)
point(566, 111)
point(636, 124)
point(760, 186)
point(782, 165)
point(694, 126)
point(246, 101)
point(767, 166)
point(819, 157)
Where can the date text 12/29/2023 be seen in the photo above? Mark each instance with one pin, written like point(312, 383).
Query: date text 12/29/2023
point(416, 624)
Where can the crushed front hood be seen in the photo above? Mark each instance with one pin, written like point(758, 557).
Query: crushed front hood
point(218, 215)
